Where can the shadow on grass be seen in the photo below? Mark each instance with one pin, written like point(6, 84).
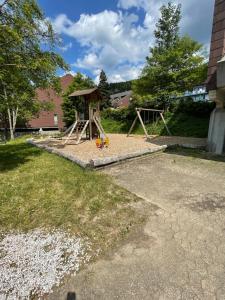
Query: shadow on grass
point(195, 153)
point(15, 154)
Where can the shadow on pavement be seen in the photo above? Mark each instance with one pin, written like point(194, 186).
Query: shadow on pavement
point(195, 153)
point(71, 296)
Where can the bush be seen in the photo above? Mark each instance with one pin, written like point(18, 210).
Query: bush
point(120, 114)
point(184, 117)
point(200, 109)
point(184, 105)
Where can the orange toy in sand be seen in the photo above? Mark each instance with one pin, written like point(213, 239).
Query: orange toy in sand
point(102, 142)
point(98, 143)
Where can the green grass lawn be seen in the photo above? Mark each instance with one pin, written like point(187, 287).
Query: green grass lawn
point(39, 189)
point(179, 125)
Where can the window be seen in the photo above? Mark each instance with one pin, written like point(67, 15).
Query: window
point(55, 119)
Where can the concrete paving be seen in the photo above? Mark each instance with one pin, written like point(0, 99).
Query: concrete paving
point(180, 251)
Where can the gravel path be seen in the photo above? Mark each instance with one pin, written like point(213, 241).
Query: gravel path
point(32, 263)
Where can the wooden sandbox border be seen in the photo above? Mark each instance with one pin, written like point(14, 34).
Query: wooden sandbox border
point(103, 162)
point(97, 162)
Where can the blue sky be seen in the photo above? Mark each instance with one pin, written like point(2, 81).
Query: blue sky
point(115, 35)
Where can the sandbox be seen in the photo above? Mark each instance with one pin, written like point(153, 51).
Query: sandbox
point(121, 147)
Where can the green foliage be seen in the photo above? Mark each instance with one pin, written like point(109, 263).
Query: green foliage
point(188, 106)
point(174, 66)
point(180, 124)
point(184, 118)
point(201, 109)
point(70, 105)
point(120, 114)
point(42, 190)
point(104, 89)
point(119, 87)
point(24, 65)
point(167, 28)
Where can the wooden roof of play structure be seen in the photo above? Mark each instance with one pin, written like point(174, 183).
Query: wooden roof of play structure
point(86, 92)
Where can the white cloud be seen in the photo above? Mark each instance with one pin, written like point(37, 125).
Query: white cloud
point(121, 73)
point(125, 72)
point(126, 4)
point(73, 73)
point(66, 47)
point(61, 22)
point(118, 41)
point(110, 40)
point(196, 15)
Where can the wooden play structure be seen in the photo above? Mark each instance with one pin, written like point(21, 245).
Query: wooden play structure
point(155, 112)
point(87, 117)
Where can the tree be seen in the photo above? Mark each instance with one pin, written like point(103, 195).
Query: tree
point(70, 105)
point(27, 58)
point(174, 65)
point(104, 89)
point(167, 28)
point(119, 87)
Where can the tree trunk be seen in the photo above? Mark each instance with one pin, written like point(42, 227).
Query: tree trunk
point(10, 125)
point(9, 115)
point(12, 116)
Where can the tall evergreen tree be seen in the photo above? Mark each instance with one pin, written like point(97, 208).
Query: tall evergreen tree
point(104, 89)
point(167, 28)
point(175, 63)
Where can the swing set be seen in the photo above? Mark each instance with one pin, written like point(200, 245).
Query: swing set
point(156, 114)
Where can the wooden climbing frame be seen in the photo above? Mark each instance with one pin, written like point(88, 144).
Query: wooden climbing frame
point(89, 119)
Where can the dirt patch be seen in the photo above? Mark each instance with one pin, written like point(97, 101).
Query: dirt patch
point(207, 202)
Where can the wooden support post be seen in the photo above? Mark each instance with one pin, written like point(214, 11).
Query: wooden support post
point(67, 130)
point(74, 126)
point(132, 126)
point(142, 124)
point(161, 115)
point(82, 132)
point(77, 119)
point(90, 121)
point(98, 126)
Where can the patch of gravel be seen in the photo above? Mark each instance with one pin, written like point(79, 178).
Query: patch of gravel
point(32, 263)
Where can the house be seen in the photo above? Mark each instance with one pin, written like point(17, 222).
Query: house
point(199, 93)
point(216, 81)
point(121, 99)
point(51, 120)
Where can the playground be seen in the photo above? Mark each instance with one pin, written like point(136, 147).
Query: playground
point(86, 143)
point(120, 148)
